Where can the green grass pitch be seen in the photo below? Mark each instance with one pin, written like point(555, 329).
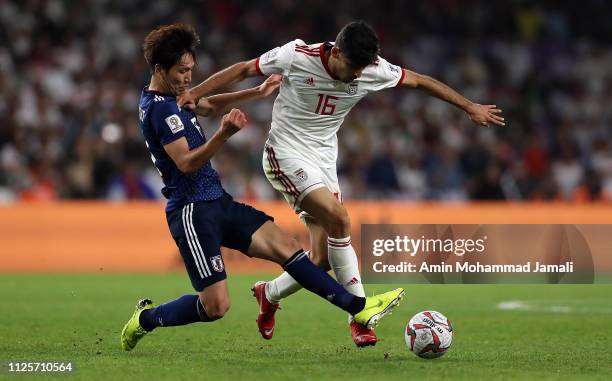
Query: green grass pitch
point(558, 332)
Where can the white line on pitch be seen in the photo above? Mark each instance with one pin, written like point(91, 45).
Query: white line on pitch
point(521, 305)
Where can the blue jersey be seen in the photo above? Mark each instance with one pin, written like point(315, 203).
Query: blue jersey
point(162, 122)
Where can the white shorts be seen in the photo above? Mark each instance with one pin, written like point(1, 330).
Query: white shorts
point(295, 177)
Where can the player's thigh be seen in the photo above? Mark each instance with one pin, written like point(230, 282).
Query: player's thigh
point(292, 176)
point(252, 232)
point(199, 241)
point(272, 243)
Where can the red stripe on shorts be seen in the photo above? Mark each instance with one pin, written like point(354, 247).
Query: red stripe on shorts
point(289, 187)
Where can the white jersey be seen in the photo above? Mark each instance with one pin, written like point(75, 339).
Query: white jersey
point(311, 105)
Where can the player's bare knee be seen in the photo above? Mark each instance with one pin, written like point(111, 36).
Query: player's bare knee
point(217, 309)
point(214, 306)
point(338, 222)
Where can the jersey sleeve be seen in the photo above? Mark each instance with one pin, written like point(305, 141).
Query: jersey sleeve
point(166, 122)
point(277, 60)
point(386, 75)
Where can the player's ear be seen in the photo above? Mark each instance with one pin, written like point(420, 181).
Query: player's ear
point(335, 51)
point(158, 69)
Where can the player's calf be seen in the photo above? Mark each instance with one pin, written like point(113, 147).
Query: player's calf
point(320, 260)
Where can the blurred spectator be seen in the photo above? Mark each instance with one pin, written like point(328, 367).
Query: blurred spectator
point(567, 171)
point(71, 74)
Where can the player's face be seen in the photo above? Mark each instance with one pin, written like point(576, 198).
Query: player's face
point(178, 78)
point(343, 68)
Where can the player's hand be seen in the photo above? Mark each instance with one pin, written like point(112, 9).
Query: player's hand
point(485, 114)
point(186, 100)
point(232, 122)
point(270, 85)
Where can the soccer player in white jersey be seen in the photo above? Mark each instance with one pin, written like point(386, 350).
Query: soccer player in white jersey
point(321, 84)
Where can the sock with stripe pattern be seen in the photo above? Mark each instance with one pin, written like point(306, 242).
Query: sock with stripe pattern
point(343, 261)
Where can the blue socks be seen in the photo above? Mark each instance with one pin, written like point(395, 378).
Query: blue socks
point(185, 310)
point(188, 309)
point(319, 282)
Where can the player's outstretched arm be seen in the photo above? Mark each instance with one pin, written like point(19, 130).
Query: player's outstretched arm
point(235, 73)
point(218, 104)
point(479, 114)
point(189, 161)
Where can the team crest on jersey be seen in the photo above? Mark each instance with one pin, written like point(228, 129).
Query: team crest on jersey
point(309, 81)
point(352, 88)
point(217, 263)
point(175, 124)
point(301, 175)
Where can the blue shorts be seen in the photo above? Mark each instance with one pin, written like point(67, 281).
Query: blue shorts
point(201, 228)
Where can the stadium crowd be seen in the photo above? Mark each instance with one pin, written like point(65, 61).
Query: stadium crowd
point(71, 73)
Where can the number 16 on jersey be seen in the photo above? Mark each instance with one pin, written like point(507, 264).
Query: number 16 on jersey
point(324, 107)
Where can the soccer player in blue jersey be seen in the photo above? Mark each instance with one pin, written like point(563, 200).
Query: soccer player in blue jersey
point(201, 216)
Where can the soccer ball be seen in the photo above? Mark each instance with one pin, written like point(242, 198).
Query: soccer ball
point(429, 334)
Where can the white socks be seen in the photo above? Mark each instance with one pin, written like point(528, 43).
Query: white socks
point(343, 261)
point(281, 287)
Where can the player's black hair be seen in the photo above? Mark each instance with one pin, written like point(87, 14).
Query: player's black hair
point(168, 43)
point(359, 43)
